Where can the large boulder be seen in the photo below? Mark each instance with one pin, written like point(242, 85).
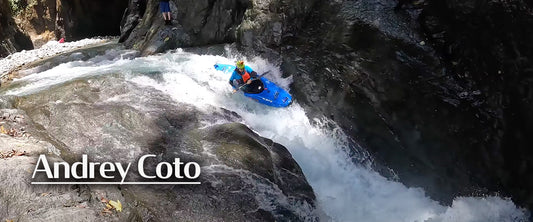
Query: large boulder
point(244, 177)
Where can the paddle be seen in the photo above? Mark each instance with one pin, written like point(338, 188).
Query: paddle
point(257, 77)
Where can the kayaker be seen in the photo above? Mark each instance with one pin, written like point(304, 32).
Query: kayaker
point(241, 75)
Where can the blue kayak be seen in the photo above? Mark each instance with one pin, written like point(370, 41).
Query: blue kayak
point(261, 89)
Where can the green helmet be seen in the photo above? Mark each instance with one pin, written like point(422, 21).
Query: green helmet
point(240, 64)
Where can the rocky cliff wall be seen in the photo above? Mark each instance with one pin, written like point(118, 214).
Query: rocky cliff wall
point(438, 91)
point(37, 19)
point(83, 19)
point(11, 38)
point(487, 48)
point(258, 25)
point(31, 23)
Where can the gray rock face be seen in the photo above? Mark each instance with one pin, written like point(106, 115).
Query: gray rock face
point(259, 25)
point(194, 23)
point(24, 202)
point(430, 106)
point(132, 16)
point(244, 177)
point(82, 19)
point(376, 85)
point(486, 48)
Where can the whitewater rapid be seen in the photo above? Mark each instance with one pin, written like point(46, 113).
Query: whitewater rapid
point(345, 191)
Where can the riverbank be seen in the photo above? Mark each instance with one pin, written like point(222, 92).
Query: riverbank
point(14, 62)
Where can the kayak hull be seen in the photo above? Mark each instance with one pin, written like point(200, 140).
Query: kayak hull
point(271, 94)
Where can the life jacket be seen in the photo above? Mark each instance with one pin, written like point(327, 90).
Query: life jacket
point(245, 76)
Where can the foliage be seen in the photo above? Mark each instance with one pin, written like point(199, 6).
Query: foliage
point(15, 5)
point(18, 6)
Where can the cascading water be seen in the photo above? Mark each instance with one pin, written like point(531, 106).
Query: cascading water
point(345, 191)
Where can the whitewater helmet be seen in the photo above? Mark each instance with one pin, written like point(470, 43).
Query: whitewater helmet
point(240, 64)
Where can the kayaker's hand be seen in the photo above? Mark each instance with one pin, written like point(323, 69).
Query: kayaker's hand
point(248, 82)
point(234, 91)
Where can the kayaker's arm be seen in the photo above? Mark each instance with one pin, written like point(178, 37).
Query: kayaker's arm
point(253, 74)
point(251, 71)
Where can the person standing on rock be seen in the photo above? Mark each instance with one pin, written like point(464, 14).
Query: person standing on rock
point(164, 6)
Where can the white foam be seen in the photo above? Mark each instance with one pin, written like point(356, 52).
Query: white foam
point(481, 209)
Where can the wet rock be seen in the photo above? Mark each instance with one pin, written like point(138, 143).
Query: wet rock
point(275, 161)
point(109, 119)
point(247, 175)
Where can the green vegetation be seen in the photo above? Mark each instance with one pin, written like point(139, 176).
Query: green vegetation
point(18, 6)
point(15, 6)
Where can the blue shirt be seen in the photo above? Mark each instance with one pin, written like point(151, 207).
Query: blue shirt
point(236, 75)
